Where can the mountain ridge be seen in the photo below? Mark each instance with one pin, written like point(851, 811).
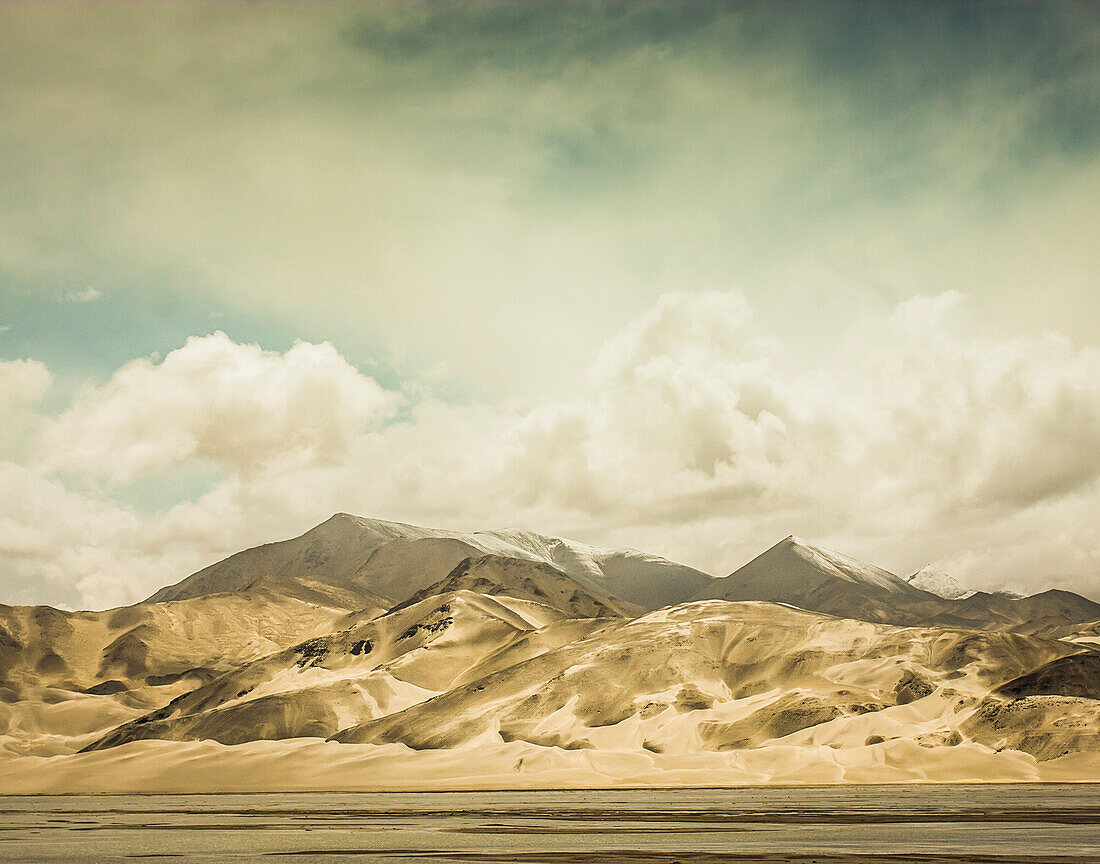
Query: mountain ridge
point(526, 580)
point(936, 581)
point(815, 578)
point(383, 563)
point(419, 648)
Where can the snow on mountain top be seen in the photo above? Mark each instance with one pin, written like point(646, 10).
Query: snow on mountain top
point(935, 581)
point(843, 566)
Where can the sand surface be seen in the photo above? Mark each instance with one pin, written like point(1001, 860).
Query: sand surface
point(512, 672)
point(466, 690)
point(316, 765)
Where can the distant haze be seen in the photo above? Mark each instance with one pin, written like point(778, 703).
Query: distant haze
point(683, 277)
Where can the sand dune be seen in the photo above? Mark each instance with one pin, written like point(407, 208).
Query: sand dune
point(316, 765)
point(67, 678)
point(1086, 634)
point(151, 644)
point(370, 670)
point(505, 661)
point(714, 675)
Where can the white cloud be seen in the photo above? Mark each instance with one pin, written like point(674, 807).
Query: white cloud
point(22, 381)
point(977, 422)
point(86, 295)
point(22, 384)
point(237, 406)
point(694, 437)
point(57, 542)
point(537, 208)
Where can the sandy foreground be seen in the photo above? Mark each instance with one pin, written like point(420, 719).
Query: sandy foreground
point(316, 765)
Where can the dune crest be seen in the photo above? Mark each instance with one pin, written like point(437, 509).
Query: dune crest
point(373, 655)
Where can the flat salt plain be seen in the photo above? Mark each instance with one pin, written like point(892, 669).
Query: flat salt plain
point(887, 824)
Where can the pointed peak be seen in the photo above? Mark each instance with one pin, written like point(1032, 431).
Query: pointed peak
point(339, 519)
point(800, 546)
point(376, 526)
point(936, 581)
point(829, 562)
point(336, 524)
point(790, 545)
point(792, 540)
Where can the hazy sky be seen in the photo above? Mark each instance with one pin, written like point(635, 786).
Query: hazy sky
point(688, 277)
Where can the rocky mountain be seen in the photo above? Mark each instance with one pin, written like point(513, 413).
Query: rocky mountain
point(431, 653)
point(372, 562)
point(528, 580)
point(935, 581)
point(814, 578)
point(817, 579)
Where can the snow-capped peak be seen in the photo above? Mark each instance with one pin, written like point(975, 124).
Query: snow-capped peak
point(935, 581)
point(842, 566)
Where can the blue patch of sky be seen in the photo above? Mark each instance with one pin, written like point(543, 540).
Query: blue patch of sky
point(82, 341)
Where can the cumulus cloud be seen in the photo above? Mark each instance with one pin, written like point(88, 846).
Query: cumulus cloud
point(694, 436)
point(237, 406)
point(928, 441)
point(61, 544)
point(977, 422)
point(691, 380)
point(21, 382)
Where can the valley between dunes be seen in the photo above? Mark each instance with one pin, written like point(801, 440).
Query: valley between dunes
point(368, 655)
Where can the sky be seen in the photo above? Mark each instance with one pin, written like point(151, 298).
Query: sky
point(687, 277)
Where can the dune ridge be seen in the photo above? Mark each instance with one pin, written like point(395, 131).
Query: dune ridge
point(373, 655)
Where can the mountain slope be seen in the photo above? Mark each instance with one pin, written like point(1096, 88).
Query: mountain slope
point(368, 670)
point(146, 643)
point(1055, 613)
point(935, 581)
point(372, 562)
point(714, 675)
point(461, 668)
point(528, 580)
point(68, 677)
point(810, 577)
point(820, 580)
point(521, 654)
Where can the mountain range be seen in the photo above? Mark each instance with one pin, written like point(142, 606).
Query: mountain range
point(374, 654)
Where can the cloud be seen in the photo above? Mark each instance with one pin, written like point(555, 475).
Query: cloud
point(87, 295)
point(929, 440)
point(690, 378)
point(532, 197)
point(693, 435)
point(696, 437)
point(63, 545)
point(237, 406)
point(977, 422)
point(21, 382)
point(529, 179)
